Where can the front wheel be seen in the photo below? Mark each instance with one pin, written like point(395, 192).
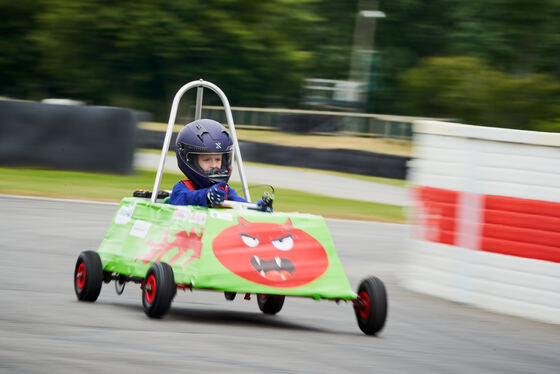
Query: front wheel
point(371, 305)
point(158, 290)
point(270, 304)
point(88, 276)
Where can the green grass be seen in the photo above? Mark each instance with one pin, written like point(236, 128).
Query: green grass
point(109, 187)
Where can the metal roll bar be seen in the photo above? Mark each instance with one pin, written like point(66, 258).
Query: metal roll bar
point(200, 84)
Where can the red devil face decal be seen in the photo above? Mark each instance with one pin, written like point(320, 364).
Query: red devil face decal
point(271, 254)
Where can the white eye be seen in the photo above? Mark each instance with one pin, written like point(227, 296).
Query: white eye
point(249, 240)
point(285, 243)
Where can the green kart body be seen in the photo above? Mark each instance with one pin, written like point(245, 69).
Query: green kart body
point(226, 249)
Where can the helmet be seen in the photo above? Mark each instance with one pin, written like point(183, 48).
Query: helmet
point(200, 137)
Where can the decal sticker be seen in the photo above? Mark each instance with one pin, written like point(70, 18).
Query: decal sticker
point(181, 213)
point(183, 241)
point(221, 215)
point(276, 255)
point(198, 218)
point(140, 229)
point(124, 214)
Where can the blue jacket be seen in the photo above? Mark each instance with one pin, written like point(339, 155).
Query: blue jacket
point(183, 195)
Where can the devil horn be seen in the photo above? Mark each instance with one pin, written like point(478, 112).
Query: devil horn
point(243, 222)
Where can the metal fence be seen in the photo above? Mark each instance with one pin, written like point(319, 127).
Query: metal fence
point(311, 121)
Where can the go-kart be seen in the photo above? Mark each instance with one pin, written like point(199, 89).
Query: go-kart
point(240, 250)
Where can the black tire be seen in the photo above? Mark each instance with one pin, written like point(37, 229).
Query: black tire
point(230, 296)
point(270, 304)
point(158, 290)
point(371, 305)
point(88, 276)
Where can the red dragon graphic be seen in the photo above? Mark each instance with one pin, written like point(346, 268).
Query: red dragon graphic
point(271, 254)
point(183, 242)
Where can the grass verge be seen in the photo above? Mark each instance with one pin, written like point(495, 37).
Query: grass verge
point(109, 187)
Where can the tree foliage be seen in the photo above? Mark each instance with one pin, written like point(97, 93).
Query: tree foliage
point(469, 89)
point(138, 53)
point(18, 52)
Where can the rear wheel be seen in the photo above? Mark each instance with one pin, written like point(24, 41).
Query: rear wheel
point(88, 276)
point(270, 304)
point(371, 305)
point(158, 290)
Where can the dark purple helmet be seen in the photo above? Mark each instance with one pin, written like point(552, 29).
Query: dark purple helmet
point(204, 136)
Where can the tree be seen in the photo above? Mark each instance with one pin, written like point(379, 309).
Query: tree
point(138, 53)
point(20, 54)
point(518, 36)
point(469, 90)
point(412, 30)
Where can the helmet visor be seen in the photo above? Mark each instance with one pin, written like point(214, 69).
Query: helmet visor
point(214, 166)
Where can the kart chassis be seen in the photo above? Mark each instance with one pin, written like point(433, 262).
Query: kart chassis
point(158, 285)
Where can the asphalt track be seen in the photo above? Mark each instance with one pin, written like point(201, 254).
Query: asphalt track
point(44, 329)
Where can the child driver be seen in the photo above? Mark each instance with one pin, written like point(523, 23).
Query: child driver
point(204, 150)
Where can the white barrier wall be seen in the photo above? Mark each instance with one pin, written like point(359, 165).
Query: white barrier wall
point(486, 218)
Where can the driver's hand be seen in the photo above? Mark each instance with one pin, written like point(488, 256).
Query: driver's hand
point(265, 204)
point(216, 194)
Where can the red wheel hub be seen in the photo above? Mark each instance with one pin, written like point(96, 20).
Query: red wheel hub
point(364, 306)
point(81, 276)
point(150, 288)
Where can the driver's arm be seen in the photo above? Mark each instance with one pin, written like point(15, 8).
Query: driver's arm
point(232, 195)
point(181, 195)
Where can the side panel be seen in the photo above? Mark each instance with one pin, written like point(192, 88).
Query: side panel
point(241, 251)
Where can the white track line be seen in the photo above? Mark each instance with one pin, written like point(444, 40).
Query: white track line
point(56, 199)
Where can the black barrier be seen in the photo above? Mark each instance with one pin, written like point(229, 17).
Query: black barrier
point(67, 137)
point(344, 160)
point(305, 123)
point(151, 139)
